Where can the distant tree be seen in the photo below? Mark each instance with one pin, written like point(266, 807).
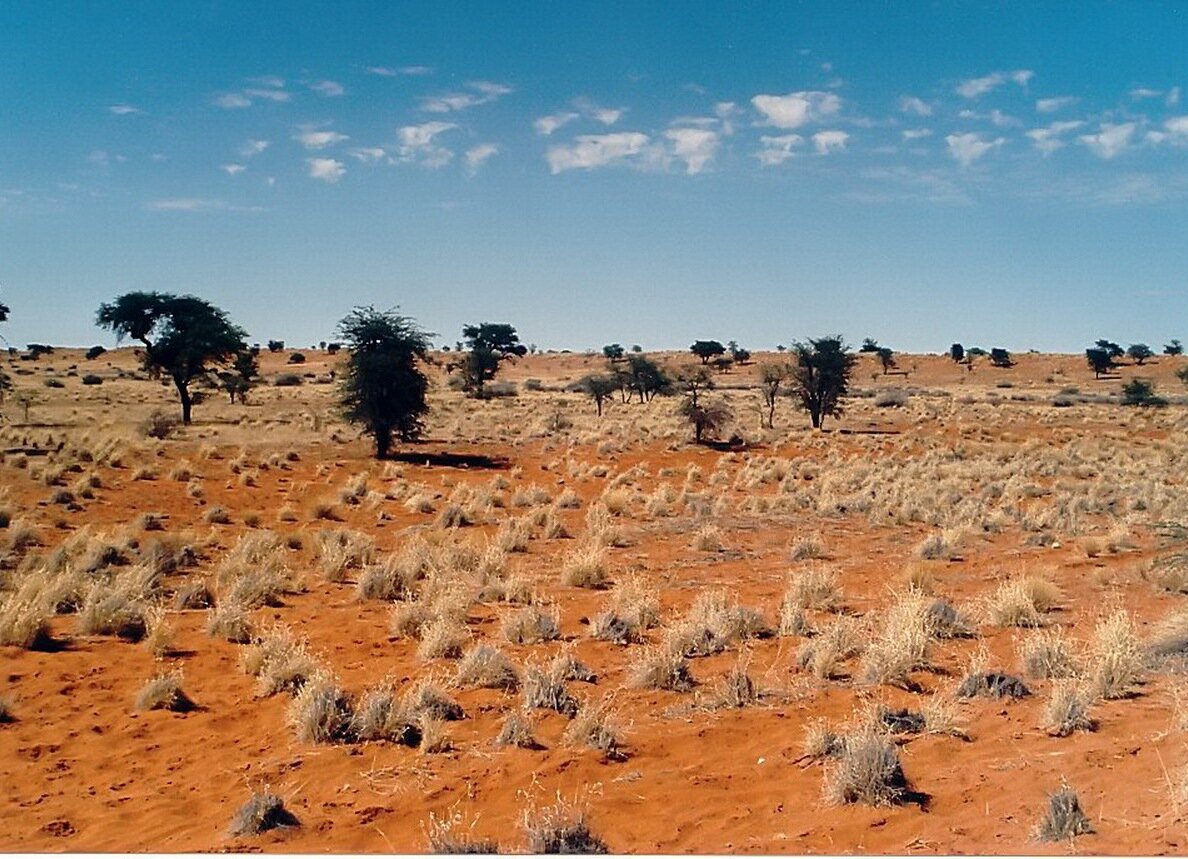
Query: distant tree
point(1112, 348)
point(886, 358)
point(1001, 358)
point(706, 349)
point(296, 358)
point(644, 377)
point(957, 352)
point(869, 344)
point(276, 345)
point(1139, 353)
point(333, 348)
point(738, 354)
point(771, 378)
point(4, 311)
point(637, 348)
point(707, 418)
point(1173, 348)
point(821, 376)
point(1141, 392)
point(239, 379)
point(181, 335)
point(322, 345)
point(976, 351)
point(489, 344)
point(1099, 361)
point(384, 387)
point(599, 388)
point(613, 352)
point(693, 381)
point(5, 380)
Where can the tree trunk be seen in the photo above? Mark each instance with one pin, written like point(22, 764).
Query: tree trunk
point(598, 402)
point(383, 443)
point(183, 391)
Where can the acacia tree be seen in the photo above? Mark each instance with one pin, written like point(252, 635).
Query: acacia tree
point(599, 388)
point(821, 376)
point(886, 358)
point(642, 376)
point(383, 387)
point(707, 418)
point(238, 380)
point(1099, 361)
point(1173, 348)
point(181, 334)
point(1139, 353)
point(489, 345)
point(771, 377)
point(706, 349)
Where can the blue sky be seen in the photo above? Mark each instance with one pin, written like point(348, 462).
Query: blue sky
point(993, 173)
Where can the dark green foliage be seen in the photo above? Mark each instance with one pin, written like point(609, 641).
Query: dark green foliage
point(296, 358)
point(707, 418)
point(1141, 392)
point(489, 345)
point(276, 345)
point(738, 354)
point(886, 358)
point(706, 349)
point(1173, 348)
point(957, 352)
point(1139, 353)
point(1099, 361)
point(384, 388)
point(642, 376)
point(181, 335)
point(599, 388)
point(869, 344)
point(94, 352)
point(239, 379)
point(613, 352)
point(821, 376)
point(1112, 348)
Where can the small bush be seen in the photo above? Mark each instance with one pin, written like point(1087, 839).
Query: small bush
point(662, 667)
point(530, 625)
point(288, 380)
point(159, 425)
point(1063, 818)
point(321, 712)
point(164, 692)
point(992, 684)
point(561, 829)
point(516, 730)
point(92, 379)
point(867, 770)
point(545, 689)
point(487, 668)
point(1067, 709)
point(264, 811)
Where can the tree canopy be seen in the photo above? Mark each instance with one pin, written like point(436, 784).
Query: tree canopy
point(821, 376)
point(182, 335)
point(384, 388)
point(489, 345)
point(706, 349)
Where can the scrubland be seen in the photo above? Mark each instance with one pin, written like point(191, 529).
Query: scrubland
point(955, 622)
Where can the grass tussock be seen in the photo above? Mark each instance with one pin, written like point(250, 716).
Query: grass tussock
point(1063, 817)
point(164, 692)
point(1067, 709)
point(1116, 656)
point(530, 625)
point(544, 688)
point(824, 654)
point(562, 828)
point(1022, 602)
point(631, 610)
point(453, 834)
point(866, 770)
point(516, 729)
point(321, 712)
point(1047, 655)
point(585, 567)
point(263, 812)
point(486, 667)
point(661, 667)
point(595, 727)
point(279, 661)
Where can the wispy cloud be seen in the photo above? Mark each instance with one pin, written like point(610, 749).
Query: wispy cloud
point(477, 156)
point(326, 169)
point(368, 154)
point(967, 148)
point(796, 108)
point(829, 141)
point(312, 138)
point(418, 144)
point(1051, 105)
point(913, 106)
point(233, 169)
point(974, 87)
point(124, 109)
point(406, 71)
point(253, 147)
point(778, 149)
point(1047, 140)
point(330, 89)
point(693, 146)
point(196, 204)
point(1111, 139)
point(480, 92)
point(590, 151)
point(546, 125)
point(266, 88)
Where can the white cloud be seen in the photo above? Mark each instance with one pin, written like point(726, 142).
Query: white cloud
point(974, 87)
point(1051, 105)
point(233, 169)
point(123, 109)
point(597, 150)
point(1173, 97)
point(312, 139)
point(726, 111)
point(195, 204)
point(330, 89)
point(476, 156)
point(418, 143)
point(694, 146)
point(1048, 140)
point(916, 107)
point(776, 150)
point(916, 133)
point(829, 141)
point(965, 149)
point(253, 147)
point(796, 108)
point(1177, 126)
point(368, 154)
point(1111, 140)
point(1142, 93)
point(326, 169)
point(483, 92)
point(607, 115)
point(277, 95)
point(232, 100)
point(389, 72)
point(546, 125)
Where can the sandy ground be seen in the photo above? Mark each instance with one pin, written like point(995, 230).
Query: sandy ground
point(86, 771)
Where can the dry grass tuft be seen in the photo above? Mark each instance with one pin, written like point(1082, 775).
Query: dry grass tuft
point(263, 812)
point(661, 667)
point(1022, 602)
point(530, 625)
point(486, 667)
point(1067, 709)
point(545, 689)
point(1046, 655)
point(1116, 657)
point(595, 727)
point(1063, 818)
point(229, 621)
point(823, 654)
point(321, 712)
point(866, 770)
point(164, 692)
point(560, 829)
point(454, 835)
point(585, 567)
point(516, 730)
point(631, 611)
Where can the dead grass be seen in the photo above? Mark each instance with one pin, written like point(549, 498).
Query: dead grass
point(866, 770)
point(1047, 655)
point(1063, 817)
point(485, 667)
point(164, 692)
point(562, 828)
point(517, 730)
point(585, 567)
point(263, 812)
point(530, 625)
point(596, 727)
point(321, 712)
point(545, 689)
point(1116, 657)
point(1068, 709)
